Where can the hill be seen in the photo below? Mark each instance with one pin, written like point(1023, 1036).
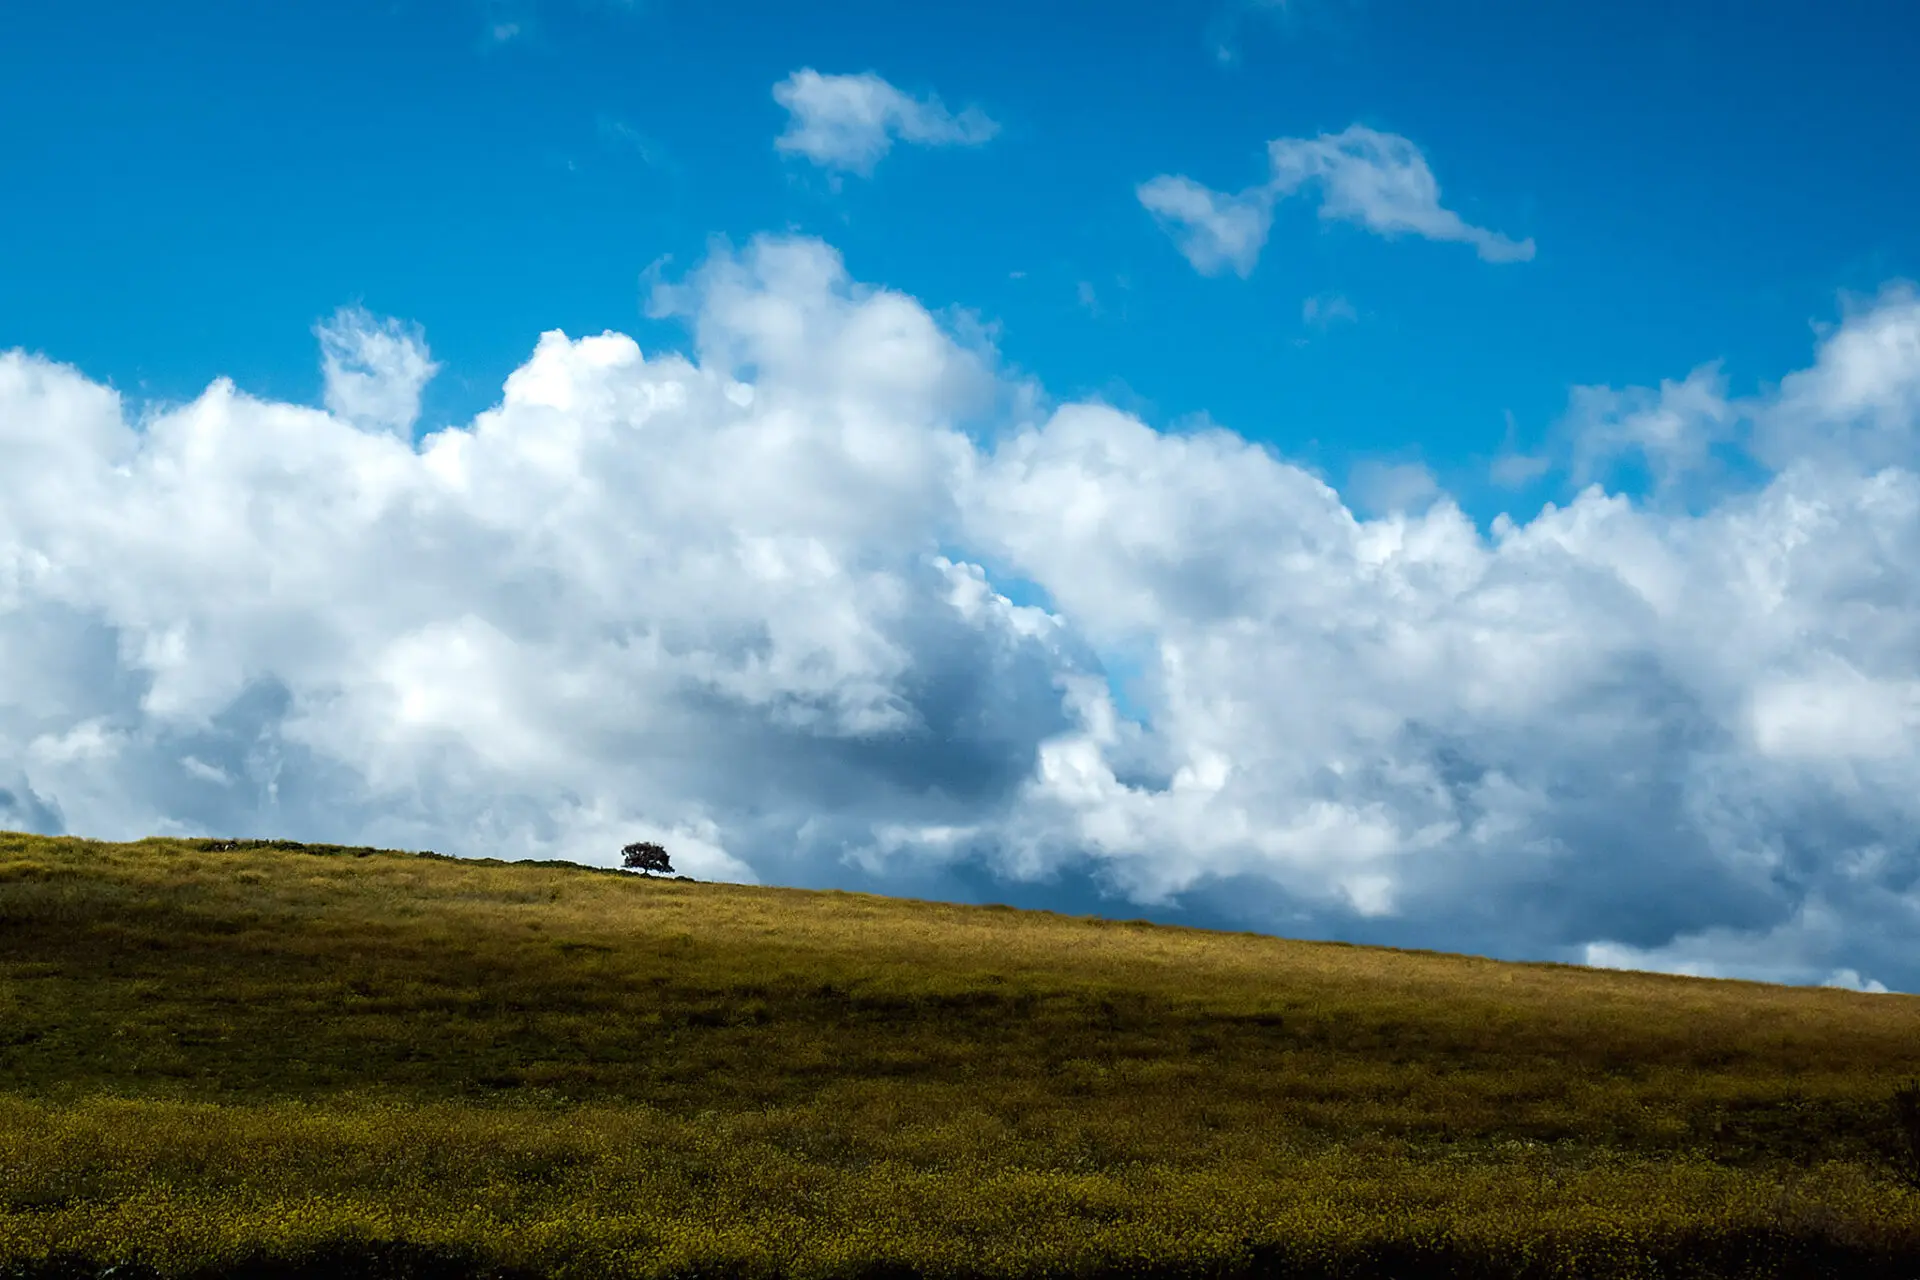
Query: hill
point(255, 1059)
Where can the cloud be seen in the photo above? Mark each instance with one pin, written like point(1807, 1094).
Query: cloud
point(849, 122)
point(1672, 429)
point(1382, 182)
point(1323, 311)
point(1856, 407)
point(1223, 29)
point(1788, 952)
point(1379, 487)
point(1512, 467)
point(805, 606)
point(1231, 19)
point(505, 21)
point(1850, 980)
point(624, 135)
point(1379, 180)
point(374, 369)
point(1215, 232)
point(1861, 399)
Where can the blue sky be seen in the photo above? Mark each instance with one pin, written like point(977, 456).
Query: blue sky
point(192, 186)
point(960, 524)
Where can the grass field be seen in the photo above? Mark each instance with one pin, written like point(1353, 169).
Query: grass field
point(279, 1060)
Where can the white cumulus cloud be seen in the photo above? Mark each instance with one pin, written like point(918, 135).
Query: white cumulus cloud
point(848, 122)
point(790, 603)
point(1860, 401)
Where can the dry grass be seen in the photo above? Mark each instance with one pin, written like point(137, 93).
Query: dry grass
point(215, 1056)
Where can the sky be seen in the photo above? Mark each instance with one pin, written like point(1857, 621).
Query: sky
point(1442, 475)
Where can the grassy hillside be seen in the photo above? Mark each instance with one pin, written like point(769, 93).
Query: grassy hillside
point(241, 1061)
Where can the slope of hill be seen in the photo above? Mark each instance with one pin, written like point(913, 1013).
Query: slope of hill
point(275, 1059)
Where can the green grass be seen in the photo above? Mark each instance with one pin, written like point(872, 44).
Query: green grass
point(226, 1062)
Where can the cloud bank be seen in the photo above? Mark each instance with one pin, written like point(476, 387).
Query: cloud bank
point(1379, 180)
point(758, 601)
point(848, 123)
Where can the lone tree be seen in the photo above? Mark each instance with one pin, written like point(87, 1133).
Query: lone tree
point(645, 857)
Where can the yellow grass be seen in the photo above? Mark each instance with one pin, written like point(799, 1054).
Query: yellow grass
point(216, 1060)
